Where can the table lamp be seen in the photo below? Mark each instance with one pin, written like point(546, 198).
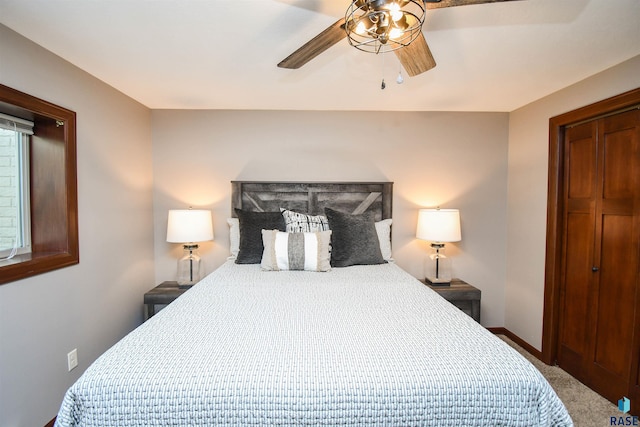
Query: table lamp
point(189, 226)
point(439, 226)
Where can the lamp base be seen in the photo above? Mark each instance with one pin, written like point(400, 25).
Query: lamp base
point(437, 282)
point(190, 267)
point(438, 267)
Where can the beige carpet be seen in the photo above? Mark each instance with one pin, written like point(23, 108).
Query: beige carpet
point(586, 407)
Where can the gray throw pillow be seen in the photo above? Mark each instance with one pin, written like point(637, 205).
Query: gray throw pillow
point(251, 226)
point(354, 240)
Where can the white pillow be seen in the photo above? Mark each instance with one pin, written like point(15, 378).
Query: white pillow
point(234, 237)
point(296, 251)
point(383, 229)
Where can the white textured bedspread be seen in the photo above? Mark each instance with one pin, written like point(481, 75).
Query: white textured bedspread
point(357, 346)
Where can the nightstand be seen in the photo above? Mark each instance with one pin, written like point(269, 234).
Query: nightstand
point(163, 294)
point(462, 295)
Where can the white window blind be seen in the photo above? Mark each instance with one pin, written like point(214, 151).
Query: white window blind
point(15, 230)
point(16, 124)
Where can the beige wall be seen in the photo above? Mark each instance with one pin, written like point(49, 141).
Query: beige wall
point(91, 305)
point(527, 200)
point(455, 160)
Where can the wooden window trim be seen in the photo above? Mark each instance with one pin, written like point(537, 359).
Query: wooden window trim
point(54, 194)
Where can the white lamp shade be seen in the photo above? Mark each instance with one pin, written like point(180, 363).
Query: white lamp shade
point(189, 226)
point(439, 225)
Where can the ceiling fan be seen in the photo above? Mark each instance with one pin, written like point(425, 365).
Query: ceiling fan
point(374, 21)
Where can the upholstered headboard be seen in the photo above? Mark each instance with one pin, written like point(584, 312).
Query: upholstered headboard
point(313, 197)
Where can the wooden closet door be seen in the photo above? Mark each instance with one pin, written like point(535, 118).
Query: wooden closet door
point(580, 169)
point(615, 255)
point(601, 253)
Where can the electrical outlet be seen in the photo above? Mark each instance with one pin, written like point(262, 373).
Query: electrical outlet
point(72, 359)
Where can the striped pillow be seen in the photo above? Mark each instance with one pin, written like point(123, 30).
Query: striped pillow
point(296, 251)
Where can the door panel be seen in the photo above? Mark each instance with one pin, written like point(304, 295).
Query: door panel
point(577, 275)
point(618, 165)
point(582, 168)
point(581, 162)
point(615, 302)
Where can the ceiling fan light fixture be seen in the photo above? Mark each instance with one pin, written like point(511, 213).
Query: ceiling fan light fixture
point(379, 26)
point(364, 27)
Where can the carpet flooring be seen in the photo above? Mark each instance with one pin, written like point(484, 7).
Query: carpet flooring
point(586, 407)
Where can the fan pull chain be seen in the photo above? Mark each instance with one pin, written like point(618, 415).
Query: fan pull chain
point(383, 84)
point(399, 79)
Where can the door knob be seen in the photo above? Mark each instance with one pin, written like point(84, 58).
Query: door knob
point(594, 269)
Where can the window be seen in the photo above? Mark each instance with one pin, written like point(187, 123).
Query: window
point(49, 161)
point(15, 229)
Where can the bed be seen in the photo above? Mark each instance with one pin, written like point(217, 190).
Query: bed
point(361, 345)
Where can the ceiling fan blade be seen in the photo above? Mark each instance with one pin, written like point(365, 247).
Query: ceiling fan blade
point(416, 58)
point(433, 4)
point(315, 46)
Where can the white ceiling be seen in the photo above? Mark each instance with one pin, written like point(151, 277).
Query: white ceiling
point(222, 54)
